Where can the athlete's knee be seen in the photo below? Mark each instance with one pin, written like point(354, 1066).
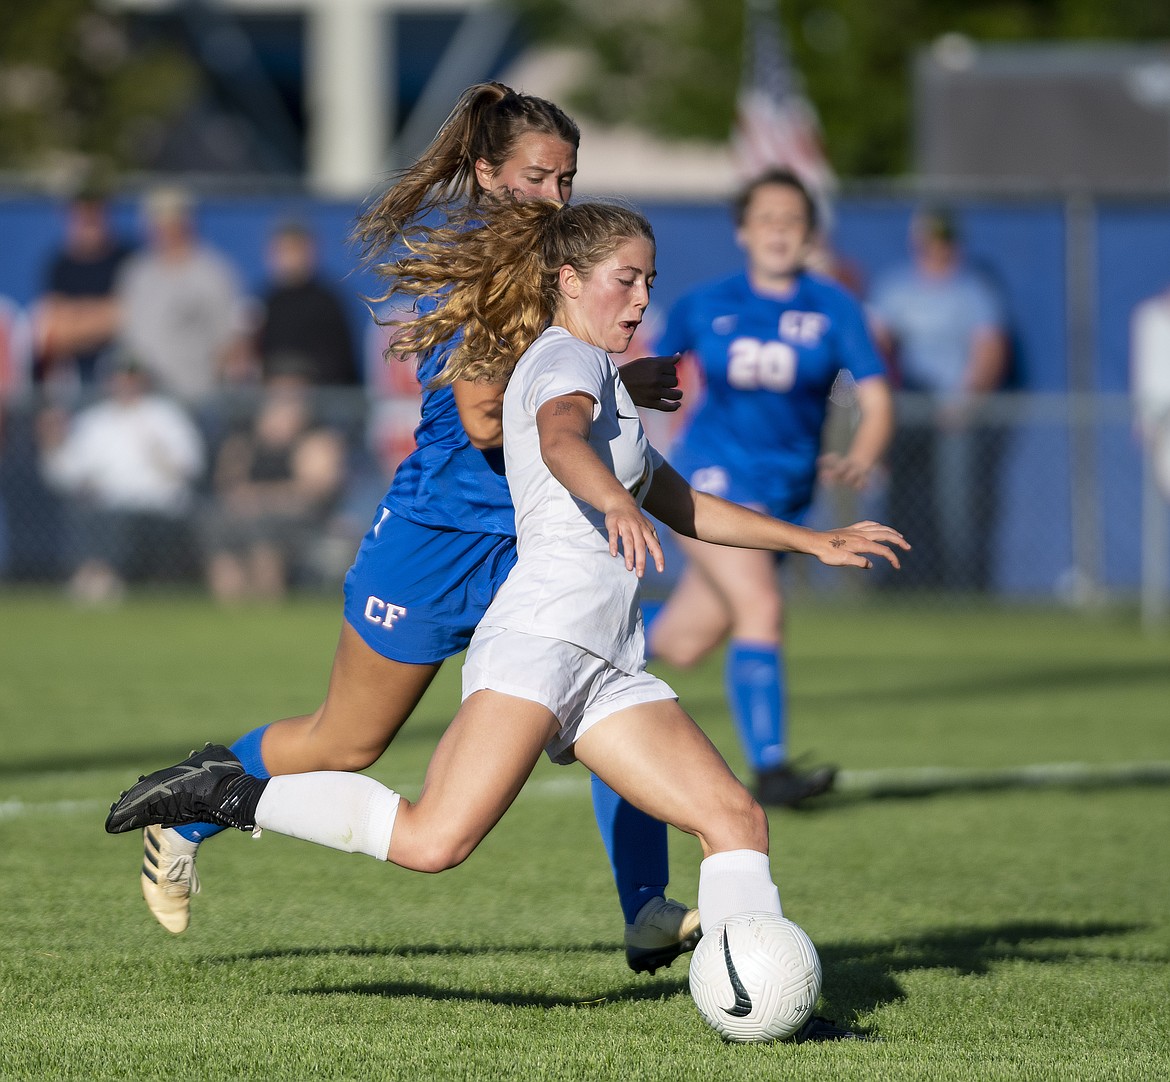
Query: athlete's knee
point(439, 853)
point(681, 649)
point(737, 822)
point(338, 747)
point(352, 759)
point(760, 616)
point(680, 655)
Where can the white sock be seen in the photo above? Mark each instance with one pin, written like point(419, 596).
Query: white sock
point(737, 881)
point(350, 812)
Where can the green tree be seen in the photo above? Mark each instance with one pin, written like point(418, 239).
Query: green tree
point(673, 66)
point(75, 95)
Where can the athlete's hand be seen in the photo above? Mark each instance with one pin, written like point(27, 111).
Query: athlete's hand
point(634, 534)
point(835, 469)
point(653, 382)
point(852, 546)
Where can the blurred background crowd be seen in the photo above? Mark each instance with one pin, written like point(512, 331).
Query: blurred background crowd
point(193, 390)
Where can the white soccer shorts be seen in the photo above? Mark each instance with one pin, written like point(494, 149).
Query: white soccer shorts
point(578, 687)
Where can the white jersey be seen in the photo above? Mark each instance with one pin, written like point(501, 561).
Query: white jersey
point(566, 585)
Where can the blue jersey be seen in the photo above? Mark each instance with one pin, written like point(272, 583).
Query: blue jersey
point(446, 483)
point(768, 366)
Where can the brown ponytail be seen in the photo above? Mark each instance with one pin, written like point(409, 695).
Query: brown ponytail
point(485, 123)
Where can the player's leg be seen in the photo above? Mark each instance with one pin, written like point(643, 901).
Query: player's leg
point(745, 582)
point(479, 766)
point(658, 929)
point(691, 622)
point(440, 582)
point(659, 759)
point(369, 699)
point(755, 674)
point(695, 619)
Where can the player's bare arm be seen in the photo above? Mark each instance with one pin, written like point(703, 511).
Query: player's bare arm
point(481, 411)
point(563, 425)
point(652, 382)
point(709, 518)
point(875, 429)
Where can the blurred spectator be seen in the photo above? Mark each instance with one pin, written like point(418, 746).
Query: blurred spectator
point(944, 327)
point(302, 317)
point(77, 314)
point(17, 447)
point(127, 466)
point(1150, 383)
point(275, 485)
point(182, 309)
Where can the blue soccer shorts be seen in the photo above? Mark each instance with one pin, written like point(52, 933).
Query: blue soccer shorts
point(773, 496)
point(415, 593)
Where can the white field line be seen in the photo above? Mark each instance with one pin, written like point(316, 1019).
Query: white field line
point(15, 809)
point(854, 782)
point(1037, 775)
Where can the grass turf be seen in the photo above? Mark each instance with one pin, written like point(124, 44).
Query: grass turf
point(983, 932)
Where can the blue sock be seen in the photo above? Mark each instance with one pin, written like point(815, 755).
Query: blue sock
point(636, 845)
point(754, 677)
point(247, 750)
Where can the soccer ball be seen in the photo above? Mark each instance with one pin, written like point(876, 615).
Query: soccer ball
point(755, 977)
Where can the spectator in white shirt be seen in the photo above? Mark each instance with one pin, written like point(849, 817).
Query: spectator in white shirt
point(127, 466)
point(1150, 383)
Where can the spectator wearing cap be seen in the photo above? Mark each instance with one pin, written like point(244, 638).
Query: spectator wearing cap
point(182, 306)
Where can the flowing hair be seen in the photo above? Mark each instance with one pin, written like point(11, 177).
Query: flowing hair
point(486, 123)
point(494, 272)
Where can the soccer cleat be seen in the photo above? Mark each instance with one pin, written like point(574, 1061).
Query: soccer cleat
point(168, 878)
point(787, 787)
point(209, 786)
point(662, 930)
point(821, 1029)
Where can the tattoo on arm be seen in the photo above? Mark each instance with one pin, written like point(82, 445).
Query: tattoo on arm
point(561, 408)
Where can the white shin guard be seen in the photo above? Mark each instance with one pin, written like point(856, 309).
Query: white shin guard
point(736, 881)
point(350, 812)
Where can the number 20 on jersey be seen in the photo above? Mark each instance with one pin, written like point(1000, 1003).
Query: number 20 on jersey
point(755, 365)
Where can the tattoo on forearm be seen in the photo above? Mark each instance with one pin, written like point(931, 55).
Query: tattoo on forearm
point(838, 542)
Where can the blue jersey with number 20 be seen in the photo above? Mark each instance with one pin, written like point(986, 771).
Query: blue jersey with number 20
point(768, 366)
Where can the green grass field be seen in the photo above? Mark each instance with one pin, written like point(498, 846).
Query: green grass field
point(986, 921)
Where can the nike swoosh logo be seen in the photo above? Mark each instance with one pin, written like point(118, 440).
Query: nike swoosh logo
point(623, 417)
point(743, 1002)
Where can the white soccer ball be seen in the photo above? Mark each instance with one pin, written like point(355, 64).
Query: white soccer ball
point(755, 977)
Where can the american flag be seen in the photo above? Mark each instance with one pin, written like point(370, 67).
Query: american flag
point(775, 126)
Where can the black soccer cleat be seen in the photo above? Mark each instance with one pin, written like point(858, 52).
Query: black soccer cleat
point(822, 1029)
point(208, 786)
point(788, 787)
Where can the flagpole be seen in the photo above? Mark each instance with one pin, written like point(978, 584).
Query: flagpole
point(776, 126)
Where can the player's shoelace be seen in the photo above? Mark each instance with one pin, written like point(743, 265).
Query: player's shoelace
point(181, 873)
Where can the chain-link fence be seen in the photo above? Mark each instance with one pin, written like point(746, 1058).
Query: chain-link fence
point(1022, 496)
point(1028, 496)
point(283, 488)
